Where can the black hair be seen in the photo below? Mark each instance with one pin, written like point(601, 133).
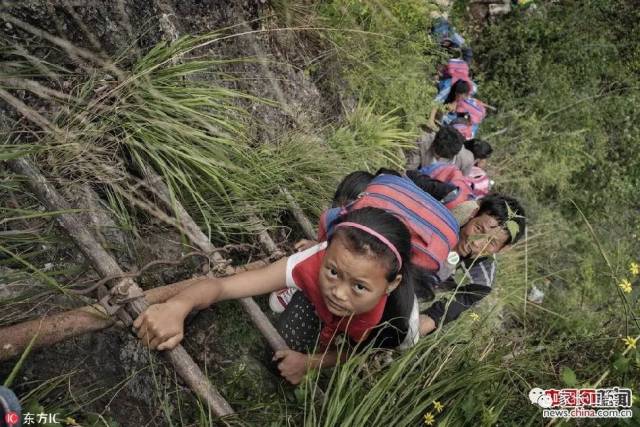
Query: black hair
point(350, 186)
point(460, 87)
point(447, 142)
point(394, 324)
point(498, 206)
point(361, 242)
point(437, 189)
point(387, 171)
point(480, 149)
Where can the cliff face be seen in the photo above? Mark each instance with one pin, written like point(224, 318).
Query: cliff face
point(125, 29)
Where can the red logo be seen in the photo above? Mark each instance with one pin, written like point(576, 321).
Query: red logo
point(11, 418)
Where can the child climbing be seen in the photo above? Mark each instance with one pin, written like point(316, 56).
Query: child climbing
point(481, 151)
point(444, 146)
point(494, 227)
point(450, 74)
point(450, 174)
point(463, 112)
point(466, 117)
point(345, 286)
point(447, 37)
point(433, 232)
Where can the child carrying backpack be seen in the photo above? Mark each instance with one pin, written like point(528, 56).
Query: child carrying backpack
point(454, 71)
point(433, 231)
point(448, 173)
point(345, 286)
point(447, 37)
point(477, 177)
point(467, 116)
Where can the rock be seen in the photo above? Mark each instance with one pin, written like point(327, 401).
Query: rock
point(535, 295)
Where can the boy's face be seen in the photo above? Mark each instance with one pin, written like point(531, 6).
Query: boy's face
point(352, 283)
point(481, 236)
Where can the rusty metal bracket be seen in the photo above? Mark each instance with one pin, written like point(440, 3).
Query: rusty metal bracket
point(120, 295)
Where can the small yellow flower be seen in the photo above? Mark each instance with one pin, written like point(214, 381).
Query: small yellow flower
point(634, 268)
point(475, 317)
point(438, 406)
point(625, 286)
point(630, 342)
point(429, 419)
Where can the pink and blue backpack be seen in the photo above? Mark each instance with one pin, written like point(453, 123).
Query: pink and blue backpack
point(434, 230)
point(479, 182)
point(447, 172)
point(467, 117)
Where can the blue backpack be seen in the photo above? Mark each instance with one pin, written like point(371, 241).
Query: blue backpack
point(443, 32)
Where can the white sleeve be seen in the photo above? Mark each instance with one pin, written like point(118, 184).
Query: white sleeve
point(297, 258)
point(413, 334)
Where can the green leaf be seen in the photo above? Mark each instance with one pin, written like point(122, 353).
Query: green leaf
point(568, 376)
point(621, 364)
point(299, 394)
point(513, 228)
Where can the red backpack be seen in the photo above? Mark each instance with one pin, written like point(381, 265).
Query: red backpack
point(434, 230)
point(457, 69)
point(474, 108)
point(447, 172)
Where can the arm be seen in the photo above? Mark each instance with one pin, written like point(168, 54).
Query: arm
point(161, 326)
point(464, 160)
point(432, 118)
point(440, 314)
point(482, 275)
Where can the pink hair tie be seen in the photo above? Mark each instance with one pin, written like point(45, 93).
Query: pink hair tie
point(376, 235)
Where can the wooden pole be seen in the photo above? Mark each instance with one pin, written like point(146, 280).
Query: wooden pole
point(201, 241)
point(106, 265)
point(299, 215)
point(60, 326)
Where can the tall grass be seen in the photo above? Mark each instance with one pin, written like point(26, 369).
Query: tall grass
point(481, 369)
point(176, 112)
point(388, 62)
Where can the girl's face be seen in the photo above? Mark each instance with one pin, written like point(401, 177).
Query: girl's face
point(352, 283)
